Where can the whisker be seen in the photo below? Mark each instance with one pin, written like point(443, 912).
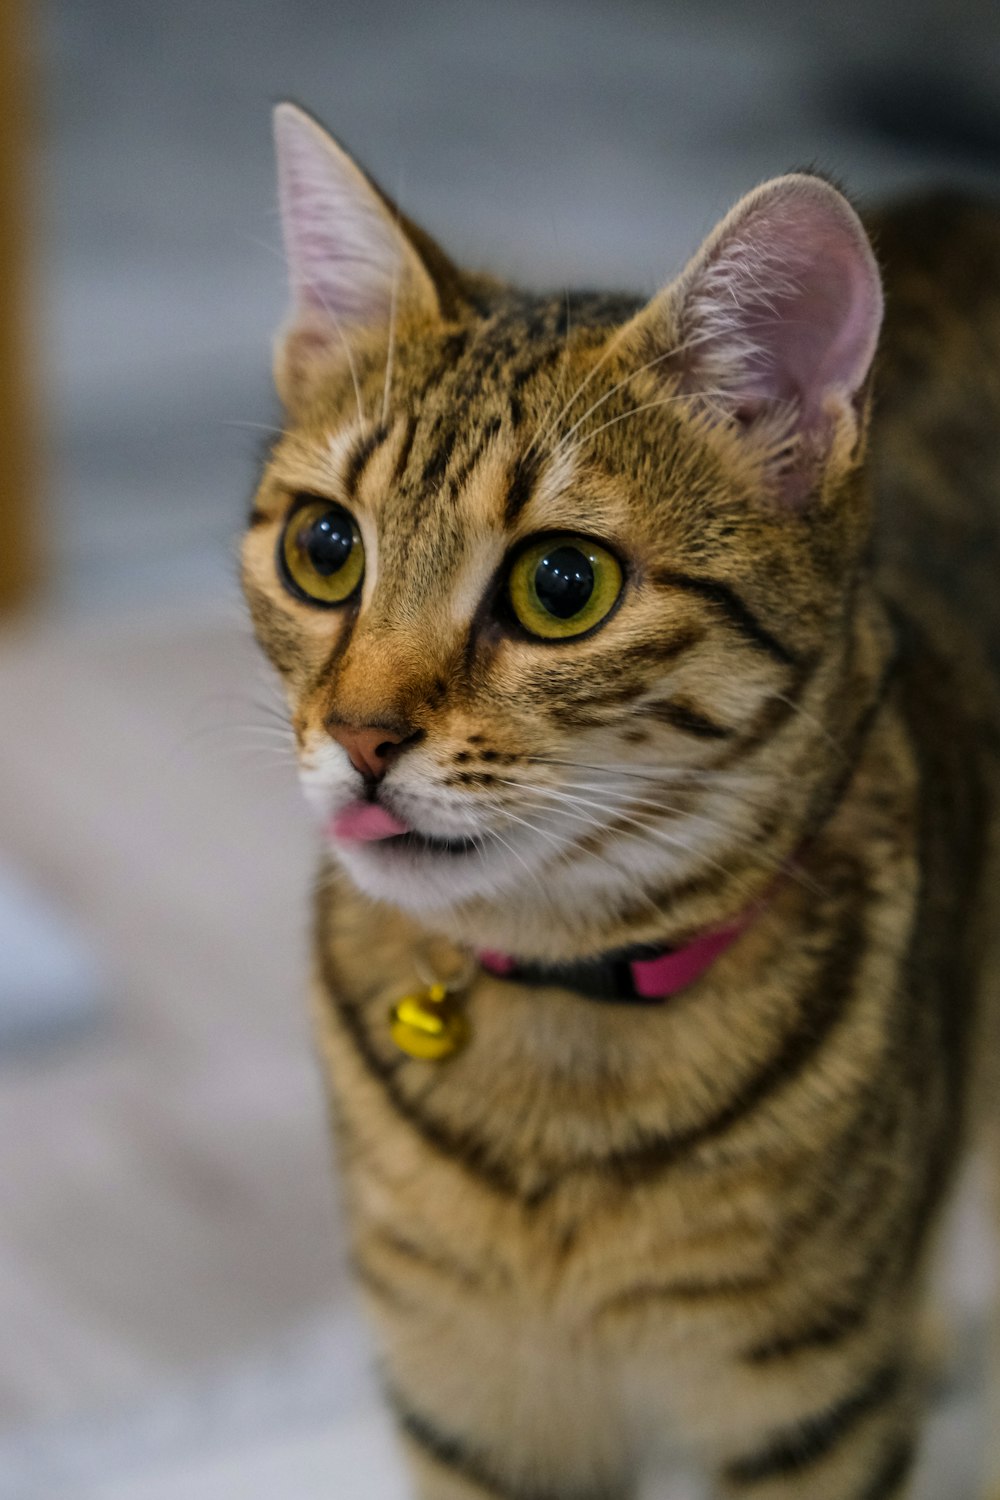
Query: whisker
point(393, 299)
point(567, 849)
point(668, 775)
point(612, 345)
point(345, 345)
point(836, 745)
point(268, 427)
point(619, 385)
point(684, 347)
point(622, 417)
point(492, 833)
point(543, 425)
point(649, 830)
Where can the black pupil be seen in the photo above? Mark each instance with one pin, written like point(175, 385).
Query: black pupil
point(564, 581)
point(327, 541)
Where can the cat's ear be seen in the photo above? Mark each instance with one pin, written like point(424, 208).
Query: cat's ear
point(352, 261)
point(773, 326)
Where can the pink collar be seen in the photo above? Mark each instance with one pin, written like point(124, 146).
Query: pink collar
point(652, 977)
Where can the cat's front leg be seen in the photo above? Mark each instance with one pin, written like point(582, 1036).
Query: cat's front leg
point(490, 1401)
point(446, 1466)
point(443, 1468)
point(441, 1471)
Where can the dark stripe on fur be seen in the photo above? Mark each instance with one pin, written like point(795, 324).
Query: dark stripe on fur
point(452, 1453)
point(658, 653)
point(519, 490)
point(832, 1327)
point(936, 1015)
point(472, 1464)
point(842, 1318)
point(419, 1255)
point(521, 377)
point(851, 1305)
point(720, 1288)
point(894, 1471)
point(686, 718)
point(774, 714)
point(465, 1150)
point(379, 1287)
point(823, 808)
point(465, 468)
point(405, 449)
point(820, 1009)
point(358, 460)
point(813, 1439)
point(736, 611)
point(436, 466)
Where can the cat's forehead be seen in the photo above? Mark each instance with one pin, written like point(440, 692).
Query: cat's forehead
point(470, 427)
point(453, 446)
point(443, 496)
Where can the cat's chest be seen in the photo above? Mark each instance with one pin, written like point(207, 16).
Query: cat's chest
point(546, 1228)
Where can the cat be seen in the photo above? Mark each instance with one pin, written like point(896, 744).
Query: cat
point(641, 661)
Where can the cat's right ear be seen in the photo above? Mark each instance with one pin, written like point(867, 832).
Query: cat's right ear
point(771, 329)
point(353, 268)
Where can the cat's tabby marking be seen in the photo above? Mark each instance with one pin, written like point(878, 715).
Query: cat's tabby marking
point(600, 1227)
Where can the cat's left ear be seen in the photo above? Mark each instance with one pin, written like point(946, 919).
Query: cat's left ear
point(772, 327)
point(353, 260)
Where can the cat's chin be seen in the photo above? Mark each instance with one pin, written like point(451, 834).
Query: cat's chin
point(480, 903)
point(420, 874)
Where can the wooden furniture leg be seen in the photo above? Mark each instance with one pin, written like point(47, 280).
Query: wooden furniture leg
point(18, 478)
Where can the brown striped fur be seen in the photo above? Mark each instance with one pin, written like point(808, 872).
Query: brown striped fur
point(602, 1228)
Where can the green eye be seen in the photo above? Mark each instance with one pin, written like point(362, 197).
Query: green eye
point(322, 555)
point(563, 586)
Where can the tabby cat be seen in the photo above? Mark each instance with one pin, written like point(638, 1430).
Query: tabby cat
point(635, 658)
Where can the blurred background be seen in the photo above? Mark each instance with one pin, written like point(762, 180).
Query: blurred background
point(175, 1315)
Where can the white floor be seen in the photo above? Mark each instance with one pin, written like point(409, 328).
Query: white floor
point(355, 1457)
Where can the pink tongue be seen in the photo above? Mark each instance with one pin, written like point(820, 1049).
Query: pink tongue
point(364, 822)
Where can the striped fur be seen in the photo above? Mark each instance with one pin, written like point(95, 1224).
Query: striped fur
point(708, 1222)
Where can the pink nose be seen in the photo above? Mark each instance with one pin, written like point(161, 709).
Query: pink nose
point(369, 750)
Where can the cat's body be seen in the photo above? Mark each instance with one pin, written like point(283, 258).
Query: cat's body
point(602, 1228)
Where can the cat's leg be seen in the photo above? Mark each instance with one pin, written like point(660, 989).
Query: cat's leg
point(859, 1445)
point(443, 1471)
point(440, 1474)
point(491, 1402)
point(444, 1466)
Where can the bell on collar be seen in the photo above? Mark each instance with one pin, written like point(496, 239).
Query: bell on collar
point(428, 1025)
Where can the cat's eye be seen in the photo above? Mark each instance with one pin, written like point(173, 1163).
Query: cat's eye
point(562, 586)
point(321, 553)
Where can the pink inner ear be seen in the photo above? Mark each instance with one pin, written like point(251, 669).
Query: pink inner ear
point(790, 301)
point(344, 256)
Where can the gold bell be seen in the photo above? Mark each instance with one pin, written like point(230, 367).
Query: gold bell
point(428, 1025)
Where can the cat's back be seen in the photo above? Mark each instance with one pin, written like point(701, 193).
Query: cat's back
point(936, 422)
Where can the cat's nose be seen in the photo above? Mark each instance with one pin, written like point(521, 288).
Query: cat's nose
point(370, 749)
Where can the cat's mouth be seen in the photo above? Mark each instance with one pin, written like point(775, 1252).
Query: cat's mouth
point(424, 843)
point(370, 823)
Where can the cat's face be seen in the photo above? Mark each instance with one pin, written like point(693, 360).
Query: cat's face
point(550, 582)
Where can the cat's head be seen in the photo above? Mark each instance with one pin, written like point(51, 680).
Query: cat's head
point(559, 586)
